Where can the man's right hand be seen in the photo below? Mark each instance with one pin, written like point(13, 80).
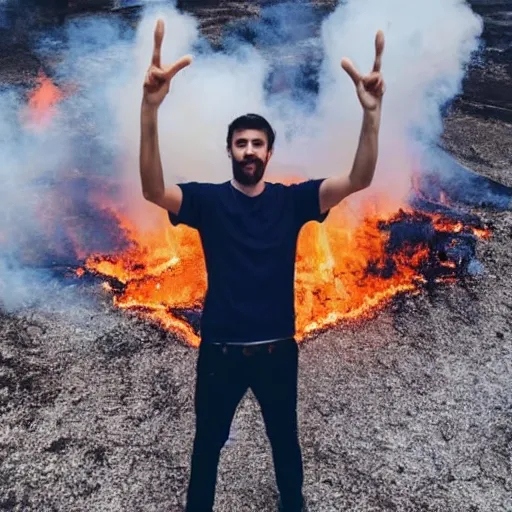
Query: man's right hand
point(158, 78)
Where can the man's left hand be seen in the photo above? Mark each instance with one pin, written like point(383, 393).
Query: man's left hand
point(370, 88)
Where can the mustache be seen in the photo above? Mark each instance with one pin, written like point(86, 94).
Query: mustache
point(251, 160)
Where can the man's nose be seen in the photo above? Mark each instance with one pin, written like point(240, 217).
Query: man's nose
point(249, 149)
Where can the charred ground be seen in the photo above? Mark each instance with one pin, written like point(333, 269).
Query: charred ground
point(411, 410)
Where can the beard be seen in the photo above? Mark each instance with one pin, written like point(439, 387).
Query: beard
point(245, 177)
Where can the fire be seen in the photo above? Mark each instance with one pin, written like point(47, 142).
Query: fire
point(161, 271)
point(344, 271)
point(332, 278)
point(442, 224)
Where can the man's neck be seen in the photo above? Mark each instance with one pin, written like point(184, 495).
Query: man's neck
point(249, 190)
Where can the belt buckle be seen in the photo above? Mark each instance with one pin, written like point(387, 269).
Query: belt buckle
point(250, 350)
point(247, 350)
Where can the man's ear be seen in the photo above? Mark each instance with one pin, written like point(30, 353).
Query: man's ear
point(229, 152)
point(269, 154)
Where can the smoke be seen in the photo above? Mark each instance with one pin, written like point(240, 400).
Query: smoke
point(428, 46)
point(284, 65)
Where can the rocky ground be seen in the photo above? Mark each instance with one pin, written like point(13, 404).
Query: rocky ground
point(411, 411)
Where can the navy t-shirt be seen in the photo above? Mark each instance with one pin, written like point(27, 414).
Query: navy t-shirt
point(249, 246)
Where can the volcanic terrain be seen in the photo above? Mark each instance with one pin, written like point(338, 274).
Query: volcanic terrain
point(407, 410)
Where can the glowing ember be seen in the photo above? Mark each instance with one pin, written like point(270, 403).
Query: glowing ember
point(344, 271)
point(42, 101)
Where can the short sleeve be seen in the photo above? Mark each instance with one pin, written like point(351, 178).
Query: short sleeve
point(306, 199)
point(192, 206)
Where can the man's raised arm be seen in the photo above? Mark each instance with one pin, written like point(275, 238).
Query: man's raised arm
point(370, 90)
point(156, 86)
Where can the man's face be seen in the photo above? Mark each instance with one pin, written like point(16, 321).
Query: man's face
point(249, 155)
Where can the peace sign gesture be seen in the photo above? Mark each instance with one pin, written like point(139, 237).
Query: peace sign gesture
point(158, 78)
point(370, 88)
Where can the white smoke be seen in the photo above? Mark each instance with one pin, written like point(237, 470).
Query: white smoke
point(193, 119)
point(428, 45)
point(96, 132)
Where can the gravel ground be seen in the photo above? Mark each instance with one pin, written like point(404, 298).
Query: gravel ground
point(409, 411)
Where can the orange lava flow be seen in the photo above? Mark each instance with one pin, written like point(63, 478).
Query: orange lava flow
point(342, 273)
point(163, 271)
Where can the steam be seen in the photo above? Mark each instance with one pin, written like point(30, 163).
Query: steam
point(289, 72)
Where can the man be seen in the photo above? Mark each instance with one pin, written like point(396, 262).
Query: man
point(249, 231)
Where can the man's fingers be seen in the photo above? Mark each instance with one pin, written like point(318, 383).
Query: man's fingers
point(377, 89)
point(379, 50)
point(181, 63)
point(159, 37)
point(347, 65)
point(371, 79)
point(157, 75)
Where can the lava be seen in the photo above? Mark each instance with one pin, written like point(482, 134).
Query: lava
point(344, 271)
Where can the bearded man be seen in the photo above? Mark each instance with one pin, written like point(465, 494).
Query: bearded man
point(249, 229)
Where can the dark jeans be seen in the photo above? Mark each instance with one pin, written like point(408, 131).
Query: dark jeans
point(224, 374)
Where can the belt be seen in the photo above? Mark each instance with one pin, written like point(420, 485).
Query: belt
point(250, 349)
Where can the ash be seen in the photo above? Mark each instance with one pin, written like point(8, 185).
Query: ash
point(410, 410)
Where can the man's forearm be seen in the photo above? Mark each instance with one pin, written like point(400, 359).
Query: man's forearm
point(365, 160)
point(151, 173)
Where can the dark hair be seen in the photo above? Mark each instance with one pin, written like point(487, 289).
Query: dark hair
point(251, 122)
